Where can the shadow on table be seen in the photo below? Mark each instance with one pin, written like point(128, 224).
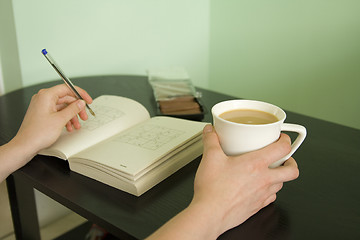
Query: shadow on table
point(269, 223)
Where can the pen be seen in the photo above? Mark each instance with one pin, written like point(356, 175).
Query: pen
point(66, 79)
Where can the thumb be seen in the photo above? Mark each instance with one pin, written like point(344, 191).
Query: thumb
point(211, 141)
point(72, 110)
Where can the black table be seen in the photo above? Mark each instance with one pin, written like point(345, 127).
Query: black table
point(323, 203)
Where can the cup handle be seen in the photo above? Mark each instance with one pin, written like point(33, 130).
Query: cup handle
point(289, 127)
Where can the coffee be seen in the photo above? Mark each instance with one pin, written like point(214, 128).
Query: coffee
point(249, 116)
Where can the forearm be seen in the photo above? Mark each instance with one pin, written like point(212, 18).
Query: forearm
point(12, 157)
point(195, 222)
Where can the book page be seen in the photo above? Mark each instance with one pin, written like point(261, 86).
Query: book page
point(139, 147)
point(113, 115)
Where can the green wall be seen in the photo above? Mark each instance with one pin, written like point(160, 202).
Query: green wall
point(9, 57)
point(111, 37)
point(301, 55)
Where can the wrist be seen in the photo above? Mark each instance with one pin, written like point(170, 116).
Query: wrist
point(197, 222)
point(26, 146)
point(21, 151)
point(208, 217)
point(11, 159)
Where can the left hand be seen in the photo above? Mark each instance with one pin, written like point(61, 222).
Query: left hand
point(230, 189)
point(49, 111)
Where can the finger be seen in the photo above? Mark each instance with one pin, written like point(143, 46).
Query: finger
point(83, 115)
point(70, 98)
point(69, 127)
point(60, 107)
point(62, 90)
point(289, 171)
point(291, 162)
point(71, 111)
point(276, 188)
point(66, 99)
point(84, 95)
point(274, 151)
point(269, 200)
point(75, 122)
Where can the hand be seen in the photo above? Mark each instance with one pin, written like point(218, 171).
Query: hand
point(49, 111)
point(228, 190)
point(233, 188)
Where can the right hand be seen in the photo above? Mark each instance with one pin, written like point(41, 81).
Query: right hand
point(49, 111)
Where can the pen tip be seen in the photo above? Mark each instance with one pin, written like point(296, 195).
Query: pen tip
point(92, 112)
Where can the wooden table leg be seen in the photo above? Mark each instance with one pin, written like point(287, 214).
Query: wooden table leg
point(23, 209)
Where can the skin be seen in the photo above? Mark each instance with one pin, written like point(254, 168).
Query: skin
point(49, 111)
point(227, 189)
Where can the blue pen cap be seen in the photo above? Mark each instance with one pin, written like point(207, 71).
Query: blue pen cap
point(44, 51)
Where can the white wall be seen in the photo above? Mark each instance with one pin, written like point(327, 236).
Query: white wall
point(112, 37)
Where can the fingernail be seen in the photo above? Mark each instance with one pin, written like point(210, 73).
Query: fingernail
point(208, 128)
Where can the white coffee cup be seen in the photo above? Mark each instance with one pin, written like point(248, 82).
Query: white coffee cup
point(238, 138)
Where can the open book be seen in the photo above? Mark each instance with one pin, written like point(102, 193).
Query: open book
point(125, 148)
